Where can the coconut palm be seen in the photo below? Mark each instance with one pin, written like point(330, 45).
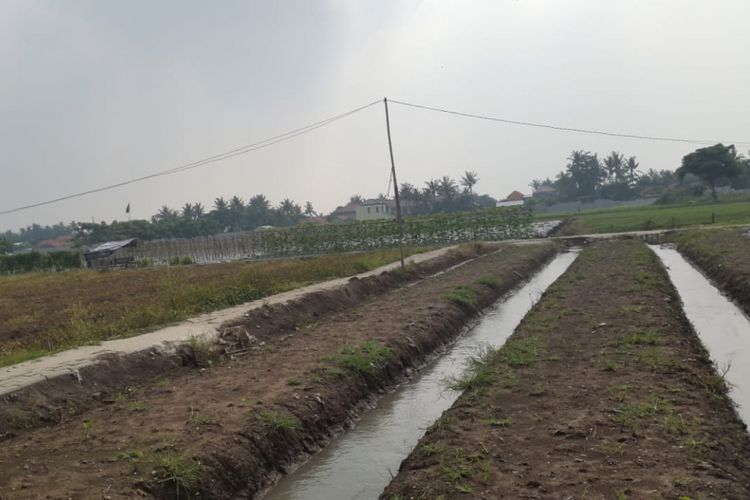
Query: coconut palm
point(469, 180)
point(309, 210)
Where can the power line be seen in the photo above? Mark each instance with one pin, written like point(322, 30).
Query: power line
point(205, 161)
point(566, 129)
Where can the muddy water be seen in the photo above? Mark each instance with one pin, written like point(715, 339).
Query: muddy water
point(720, 324)
point(359, 464)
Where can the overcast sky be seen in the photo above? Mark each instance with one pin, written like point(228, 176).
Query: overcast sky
point(96, 92)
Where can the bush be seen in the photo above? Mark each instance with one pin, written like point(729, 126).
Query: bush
point(37, 261)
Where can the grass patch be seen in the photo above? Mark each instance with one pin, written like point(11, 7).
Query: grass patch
point(363, 360)
point(293, 382)
point(131, 455)
point(201, 419)
point(642, 338)
point(463, 296)
point(277, 421)
point(655, 217)
point(136, 406)
point(632, 415)
point(491, 281)
point(178, 470)
point(479, 372)
point(499, 422)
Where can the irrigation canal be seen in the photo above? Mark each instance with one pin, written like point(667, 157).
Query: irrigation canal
point(721, 325)
point(359, 463)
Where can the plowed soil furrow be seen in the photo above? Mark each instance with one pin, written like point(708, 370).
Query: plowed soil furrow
point(226, 430)
point(604, 391)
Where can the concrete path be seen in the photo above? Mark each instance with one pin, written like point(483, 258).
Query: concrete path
point(18, 376)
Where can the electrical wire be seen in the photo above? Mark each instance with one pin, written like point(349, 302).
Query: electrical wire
point(559, 128)
point(205, 161)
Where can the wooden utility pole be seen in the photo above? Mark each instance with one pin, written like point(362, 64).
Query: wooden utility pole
point(399, 219)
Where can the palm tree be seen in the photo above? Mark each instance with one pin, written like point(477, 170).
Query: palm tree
point(469, 180)
point(198, 211)
point(187, 211)
point(309, 210)
point(164, 214)
point(613, 165)
point(630, 167)
point(258, 211)
point(447, 187)
point(289, 212)
point(220, 205)
point(356, 198)
point(431, 187)
point(535, 184)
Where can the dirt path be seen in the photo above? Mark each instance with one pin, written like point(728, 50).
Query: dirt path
point(225, 430)
point(604, 391)
point(18, 376)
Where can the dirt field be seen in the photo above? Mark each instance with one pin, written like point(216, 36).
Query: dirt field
point(43, 312)
point(724, 256)
point(603, 391)
point(226, 428)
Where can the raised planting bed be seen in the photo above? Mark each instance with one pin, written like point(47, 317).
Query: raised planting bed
point(603, 391)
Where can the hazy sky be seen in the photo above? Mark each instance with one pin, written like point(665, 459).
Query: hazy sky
point(96, 92)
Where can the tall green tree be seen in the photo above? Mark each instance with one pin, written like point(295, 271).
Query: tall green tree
point(469, 180)
point(711, 164)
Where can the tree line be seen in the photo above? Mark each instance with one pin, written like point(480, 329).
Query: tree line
point(616, 177)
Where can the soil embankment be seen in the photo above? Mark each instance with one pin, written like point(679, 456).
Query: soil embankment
point(724, 256)
point(604, 391)
point(292, 377)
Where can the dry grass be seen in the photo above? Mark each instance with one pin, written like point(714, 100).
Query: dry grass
point(47, 312)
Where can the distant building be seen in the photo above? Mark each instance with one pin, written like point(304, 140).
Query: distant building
point(513, 199)
point(347, 212)
point(111, 254)
point(376, 209)
point(544, 191)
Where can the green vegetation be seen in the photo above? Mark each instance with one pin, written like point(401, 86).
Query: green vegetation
point(363, 360)
point(277, 421)
point(463, 296)
point(655, 217)
point(178, 470)
point(491, 281)
point(37, 261)
point(484, 368)
point(201, 419)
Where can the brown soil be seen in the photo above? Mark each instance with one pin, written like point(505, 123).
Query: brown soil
point(603, 391)
point(225, 431)
point(724, 256)
point(58, 399)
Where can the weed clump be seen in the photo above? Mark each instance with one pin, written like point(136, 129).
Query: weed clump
point(463, 296)
point(277, 421)
point(179, 470)
point(362, 360)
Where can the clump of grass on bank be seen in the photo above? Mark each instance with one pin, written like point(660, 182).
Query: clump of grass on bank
point(463, 296)
point(85, 306)
point(485, 367)
point(178, 470)
point(277, 421)
point(363, 360)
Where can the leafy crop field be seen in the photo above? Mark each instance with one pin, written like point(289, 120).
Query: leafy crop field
point(46, 312)
point(653, 217)
point(486, 225)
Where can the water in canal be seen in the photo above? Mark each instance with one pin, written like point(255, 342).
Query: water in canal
point(721, 325)
point(359, 464)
